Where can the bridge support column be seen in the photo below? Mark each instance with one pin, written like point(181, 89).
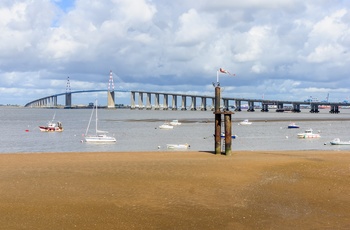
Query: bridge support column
point(334, 109)
point(68, 101)
point(238, 105)
point(174, 102)
point(314, 108)
point(193, 104)
point(203, 104)
point(296, 108)
point(226, 104)
point(132, 106)
point(110, 100)
point(183, 103)
point(280, 107)
point(251, 106)
point(156, 101)
point(165, 102)
point(140, 100)
point(148, 101)
point(265, 107)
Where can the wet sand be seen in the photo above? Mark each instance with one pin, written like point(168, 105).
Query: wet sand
point(176, 190)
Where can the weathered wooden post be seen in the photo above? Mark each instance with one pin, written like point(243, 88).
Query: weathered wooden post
point(217, 113)
point(227, 124)
point(228, 133)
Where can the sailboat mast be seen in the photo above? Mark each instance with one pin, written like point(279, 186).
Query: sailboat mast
point(96, 117)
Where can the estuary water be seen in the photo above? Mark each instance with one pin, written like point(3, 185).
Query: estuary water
point(137, 130)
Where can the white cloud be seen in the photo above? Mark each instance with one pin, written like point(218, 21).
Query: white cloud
point(174, 45)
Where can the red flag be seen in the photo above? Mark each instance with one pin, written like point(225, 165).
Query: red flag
point(226, 72)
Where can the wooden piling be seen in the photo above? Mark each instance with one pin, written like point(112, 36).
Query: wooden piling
point(227, 124)
point(217, 113)
point(228, 133)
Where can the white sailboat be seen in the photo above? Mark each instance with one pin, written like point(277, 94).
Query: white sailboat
point(99, 136)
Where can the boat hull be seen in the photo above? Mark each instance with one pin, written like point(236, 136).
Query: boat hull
point(166, 127)
point(97, 139)
point(338, 142)
point(178, 146)
point(50, 129)
point(307, 136)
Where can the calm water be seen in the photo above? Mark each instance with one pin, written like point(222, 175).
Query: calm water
point(137, 130)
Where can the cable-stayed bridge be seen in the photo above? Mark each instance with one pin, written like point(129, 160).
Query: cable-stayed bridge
point(160, 101)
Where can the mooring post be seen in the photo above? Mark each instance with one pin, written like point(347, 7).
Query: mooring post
point(217, 113)
point(228, 133)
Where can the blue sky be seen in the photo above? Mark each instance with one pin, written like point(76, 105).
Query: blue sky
point(278, 49)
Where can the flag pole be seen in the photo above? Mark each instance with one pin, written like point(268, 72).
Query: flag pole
point(217, 76)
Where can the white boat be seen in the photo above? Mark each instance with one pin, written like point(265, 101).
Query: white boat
point(308, 134)
point(52, 126)
point(245, 122)
point(166, 126)
point(99, 136)
point(175, 122)
point(337, 141)
point(178, 146)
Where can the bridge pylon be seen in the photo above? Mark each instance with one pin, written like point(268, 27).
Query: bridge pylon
point(68, 104)
point(110, 92)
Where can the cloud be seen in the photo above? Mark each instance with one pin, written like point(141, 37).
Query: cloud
point(274, 47)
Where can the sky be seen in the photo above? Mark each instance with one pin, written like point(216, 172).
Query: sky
point(277, 49)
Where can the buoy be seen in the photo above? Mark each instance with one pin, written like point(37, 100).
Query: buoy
point(27, 130)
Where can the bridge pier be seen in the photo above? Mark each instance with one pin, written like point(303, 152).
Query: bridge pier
point(264, 107)
point(148, 101)
point(183, 103)
point(165, 102)
point(156, 101)
point(68, 101)
point(314, 108)
point(140, 100)
point(296, 108)
point(174, 102)
point(280, 108)
point(193, 103)
point(334, 109)
point(203, 104)
point(250, 106)
point(132, 106)
point(238, 104)
point(110, 100)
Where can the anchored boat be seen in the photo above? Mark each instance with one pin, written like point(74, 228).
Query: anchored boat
point(337, 141)
point(52, 126)
point(99, 136)
point(308, 134)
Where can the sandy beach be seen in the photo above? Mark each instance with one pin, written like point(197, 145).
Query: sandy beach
point(176, 190)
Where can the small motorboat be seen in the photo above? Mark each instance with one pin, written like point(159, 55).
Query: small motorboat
point(245, 122)
point(293, 126)
point(337, 141)
point(178, 146)
point(166, 126)
point(175, 122)
point(52, 126)
point(308, 134)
